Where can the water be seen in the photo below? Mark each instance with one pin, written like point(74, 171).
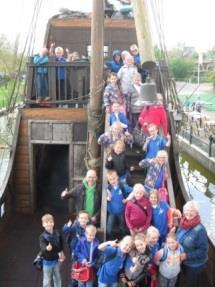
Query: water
point(7, 125)
point(200, 185)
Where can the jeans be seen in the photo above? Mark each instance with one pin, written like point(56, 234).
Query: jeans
point(100, 284)
point(42, 85)
point(165, 282)
point(112, 220)
point(85, 284)
point(51, 272)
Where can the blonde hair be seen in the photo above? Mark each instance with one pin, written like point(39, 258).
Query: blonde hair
point(111, 172)
point(126, 238)
point(137, 75)
point(59, 50)
point(154, 126)
point(119, 142)
point(140, 236)
point(91, 228)
point(47, 217)
point(138, 187)
point(133, 47)
point(171, 235)
point(162, 153)
point(152, 230)
point(154, 192)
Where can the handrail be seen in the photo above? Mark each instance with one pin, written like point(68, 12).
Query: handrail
point(12, 155)
point(104, 186)
point(74, 86)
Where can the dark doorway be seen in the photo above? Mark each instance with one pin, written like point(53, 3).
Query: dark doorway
point(51, 177)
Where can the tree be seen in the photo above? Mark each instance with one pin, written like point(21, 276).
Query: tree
point(182, 68)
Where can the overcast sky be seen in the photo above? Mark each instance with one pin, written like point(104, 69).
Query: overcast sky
point(190, 22)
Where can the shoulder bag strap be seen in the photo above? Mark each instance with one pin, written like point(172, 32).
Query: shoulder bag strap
point(140, 206)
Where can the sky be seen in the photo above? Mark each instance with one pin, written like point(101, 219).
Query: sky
point(189, 22)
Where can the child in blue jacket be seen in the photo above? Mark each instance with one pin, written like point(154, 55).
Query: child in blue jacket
point(73, 232)
point(109, 271)
point(86, 252)
point(116, 197)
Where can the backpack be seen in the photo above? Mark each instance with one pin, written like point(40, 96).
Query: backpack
point(165, 252)
point(122, 188)
point(102, 259)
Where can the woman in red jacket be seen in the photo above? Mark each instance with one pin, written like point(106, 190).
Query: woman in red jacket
point(138, 211)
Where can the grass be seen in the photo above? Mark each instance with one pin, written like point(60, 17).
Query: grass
point(208, 100)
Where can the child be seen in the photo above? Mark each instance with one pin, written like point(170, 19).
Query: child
point(135, 110)
point(116, 63)
point(154, 142)
point(156, 170)
point(108, 272)
point(76, 230)
point(138, 211)
point(152, 238)
point(116, 115)
point(169, 260)
point(116, 133)
point(139, 266)
point(117, 161)
point(60, 81)
point(160, 214)
point(116, 195)
point(112, 93)
point(125, 75)
point(86, 252)
point(51, 246)
point(41, 74)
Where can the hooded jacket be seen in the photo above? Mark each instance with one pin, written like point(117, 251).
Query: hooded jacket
point(113, 65)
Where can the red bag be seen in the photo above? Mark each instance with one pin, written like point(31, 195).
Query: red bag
point(82, 272)
point(163, 194)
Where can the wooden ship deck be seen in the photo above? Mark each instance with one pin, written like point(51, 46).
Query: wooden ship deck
point(49, 153)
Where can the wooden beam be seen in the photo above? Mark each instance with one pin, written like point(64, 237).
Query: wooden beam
point(143, 30)
point(96, 84)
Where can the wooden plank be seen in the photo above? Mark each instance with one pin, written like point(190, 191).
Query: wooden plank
point(21, 173)
point(21, 157)
point(20, 180)
point(76, 115)
point(22, 189)
point(86, 23)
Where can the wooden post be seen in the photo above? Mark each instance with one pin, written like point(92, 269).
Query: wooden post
point(143, 30)
point(96, 83)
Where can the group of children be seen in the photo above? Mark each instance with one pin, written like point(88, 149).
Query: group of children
point(41, 72)
point(151, 248)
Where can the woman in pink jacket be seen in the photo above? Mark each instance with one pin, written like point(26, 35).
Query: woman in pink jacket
point(138, 211)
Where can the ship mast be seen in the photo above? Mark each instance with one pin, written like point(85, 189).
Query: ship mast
point(143, 30)
point(96, 84)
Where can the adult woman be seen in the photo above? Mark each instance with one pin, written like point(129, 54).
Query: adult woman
point(156, 170)
point(192, 236)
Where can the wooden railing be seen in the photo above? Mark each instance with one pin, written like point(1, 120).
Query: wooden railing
point(75, 82)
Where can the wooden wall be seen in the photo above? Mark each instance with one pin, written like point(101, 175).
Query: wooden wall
point(22, 168)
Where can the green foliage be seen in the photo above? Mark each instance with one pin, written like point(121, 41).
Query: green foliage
point(182, 68)
point(211, 78)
